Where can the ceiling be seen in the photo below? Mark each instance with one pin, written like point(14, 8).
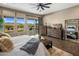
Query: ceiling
point(31, 7)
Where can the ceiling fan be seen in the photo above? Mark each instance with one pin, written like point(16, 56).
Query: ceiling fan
point(42, 6)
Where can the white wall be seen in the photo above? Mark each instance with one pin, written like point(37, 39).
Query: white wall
point(61, 16)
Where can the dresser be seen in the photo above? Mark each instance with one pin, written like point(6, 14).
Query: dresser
point(55, 31)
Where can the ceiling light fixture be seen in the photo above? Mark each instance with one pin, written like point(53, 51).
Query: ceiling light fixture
point(42, 6)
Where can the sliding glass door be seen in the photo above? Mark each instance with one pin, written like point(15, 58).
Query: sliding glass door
point(32, 25)
point(20, 24)
point(8, 24)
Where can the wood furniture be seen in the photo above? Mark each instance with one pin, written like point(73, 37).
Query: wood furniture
point(55, 31)
point(46, 42)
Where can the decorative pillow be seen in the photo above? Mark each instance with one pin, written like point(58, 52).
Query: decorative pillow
point(4, 34)
point(5, 44)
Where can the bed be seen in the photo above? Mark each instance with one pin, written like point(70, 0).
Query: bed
point(19, 41)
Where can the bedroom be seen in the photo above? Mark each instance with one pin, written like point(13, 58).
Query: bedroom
point(40, 29)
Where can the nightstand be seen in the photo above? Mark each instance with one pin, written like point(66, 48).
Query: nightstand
point(47, 43)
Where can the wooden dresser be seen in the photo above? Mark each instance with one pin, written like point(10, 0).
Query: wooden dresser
point(55, 31)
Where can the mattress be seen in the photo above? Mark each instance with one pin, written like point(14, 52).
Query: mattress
point(19, 41)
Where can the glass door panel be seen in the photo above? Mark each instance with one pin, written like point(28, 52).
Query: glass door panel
point(20, 24)
point(32, 26)
point(8, 24)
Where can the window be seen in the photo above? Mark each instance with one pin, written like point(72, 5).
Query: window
point(20, 21)
point(20, 24)
point(30, 21)
point(8, 24)
point(9, 19)
point(32, 26)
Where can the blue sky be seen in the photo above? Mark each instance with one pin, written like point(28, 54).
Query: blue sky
point(9, 20)
point(30, 21)
point(19, 20)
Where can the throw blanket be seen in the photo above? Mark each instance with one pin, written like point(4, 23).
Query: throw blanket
point(31, 46)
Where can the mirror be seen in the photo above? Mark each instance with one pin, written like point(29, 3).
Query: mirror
point(71, 27)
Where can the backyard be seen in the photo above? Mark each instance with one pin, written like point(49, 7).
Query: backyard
point(8, 27)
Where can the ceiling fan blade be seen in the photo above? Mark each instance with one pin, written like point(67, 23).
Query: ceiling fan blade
point(46, 6)
point(47, 3)
point(42, 8)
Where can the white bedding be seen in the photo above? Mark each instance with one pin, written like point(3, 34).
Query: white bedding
point(19, 41)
